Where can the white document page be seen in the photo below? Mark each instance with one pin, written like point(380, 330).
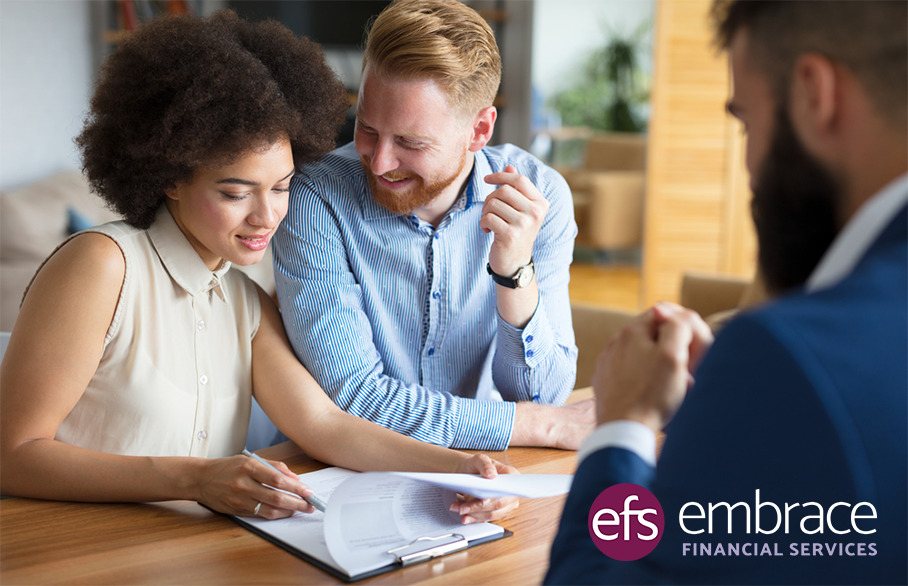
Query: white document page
point(375, 512)
point(368, 514)
point(306, 532)
point(524, 485)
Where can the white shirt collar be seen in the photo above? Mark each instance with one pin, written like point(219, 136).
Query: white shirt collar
point(859, 234)
point(183, 263)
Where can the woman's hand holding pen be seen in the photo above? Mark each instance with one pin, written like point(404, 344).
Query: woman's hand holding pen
point(236, 486)
point(474, 510)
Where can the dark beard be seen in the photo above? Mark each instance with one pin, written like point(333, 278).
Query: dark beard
point(795, 207)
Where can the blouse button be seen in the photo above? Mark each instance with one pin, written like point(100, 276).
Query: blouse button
point(203, 379)
point(203, 435)
point(201, 324)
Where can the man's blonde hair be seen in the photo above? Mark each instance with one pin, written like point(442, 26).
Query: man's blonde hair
point(439, 40)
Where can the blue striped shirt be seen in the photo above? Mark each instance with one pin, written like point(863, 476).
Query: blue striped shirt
point(397, 320)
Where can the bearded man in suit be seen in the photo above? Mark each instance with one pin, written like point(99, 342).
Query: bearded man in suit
point(800, 403)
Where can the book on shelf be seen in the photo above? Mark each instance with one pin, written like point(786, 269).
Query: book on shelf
point(129, 18)
point(134, 13)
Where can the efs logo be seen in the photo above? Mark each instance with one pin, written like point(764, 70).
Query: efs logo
point(626, 522)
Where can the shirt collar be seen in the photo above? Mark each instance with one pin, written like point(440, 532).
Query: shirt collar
point(478, 189)
point(372, 210)
point(859, 234)
point(182, 262)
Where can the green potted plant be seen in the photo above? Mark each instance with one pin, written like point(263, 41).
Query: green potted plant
point(610, 96)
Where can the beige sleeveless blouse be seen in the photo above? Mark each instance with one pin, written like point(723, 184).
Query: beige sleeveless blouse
point(175, 378)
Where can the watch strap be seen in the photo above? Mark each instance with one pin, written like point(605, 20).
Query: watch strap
point(510, 282)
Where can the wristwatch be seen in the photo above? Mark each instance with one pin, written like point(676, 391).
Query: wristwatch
point(522, 278)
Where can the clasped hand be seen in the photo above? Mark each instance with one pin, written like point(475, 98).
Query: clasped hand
point(645, 370)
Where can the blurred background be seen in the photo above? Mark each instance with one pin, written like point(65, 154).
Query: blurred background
point(624, 97)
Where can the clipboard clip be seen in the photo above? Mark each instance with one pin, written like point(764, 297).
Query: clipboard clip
point(426, 548)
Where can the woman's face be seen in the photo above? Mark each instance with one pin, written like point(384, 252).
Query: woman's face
point(231, 212)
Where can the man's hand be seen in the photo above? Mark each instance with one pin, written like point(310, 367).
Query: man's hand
point(645, 370)
point(514, 213)
point(551, 426)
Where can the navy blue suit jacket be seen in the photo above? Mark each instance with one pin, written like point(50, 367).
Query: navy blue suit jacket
point(805, 400)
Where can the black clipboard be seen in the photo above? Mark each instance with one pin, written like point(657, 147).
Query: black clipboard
point(420, 550)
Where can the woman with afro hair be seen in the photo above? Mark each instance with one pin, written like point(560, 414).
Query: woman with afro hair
point(130, 370)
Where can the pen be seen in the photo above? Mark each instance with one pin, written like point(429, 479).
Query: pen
point(312, 500)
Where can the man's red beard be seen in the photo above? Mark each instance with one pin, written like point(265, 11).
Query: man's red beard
point(418, 195)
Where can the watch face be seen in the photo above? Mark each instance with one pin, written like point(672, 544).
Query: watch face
point(525, 276)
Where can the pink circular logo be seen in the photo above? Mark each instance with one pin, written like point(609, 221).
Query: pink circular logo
point(626, 522)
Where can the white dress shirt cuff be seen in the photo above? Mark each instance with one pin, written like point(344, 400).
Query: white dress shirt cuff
point(629, 435)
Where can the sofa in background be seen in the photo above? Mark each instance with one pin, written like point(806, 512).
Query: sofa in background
point(608, 191)
point(717, 298)
point(36, 217)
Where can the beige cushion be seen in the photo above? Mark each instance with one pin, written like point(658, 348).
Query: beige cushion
point(33, 218)
point(609, 191)
point(616, 151)
point(33, 221)
point(615, 209)
point(708, 294)
point(14, 278)
point(719, 298)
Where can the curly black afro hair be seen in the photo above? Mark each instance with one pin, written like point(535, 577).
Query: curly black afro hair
point(183, 91)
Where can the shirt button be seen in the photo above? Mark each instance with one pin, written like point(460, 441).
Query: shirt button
point(203, 379)
point(203, 435)
point(436, 295)
point(529, 353)
point(529, 339)
point(431, 351)
point(201, 324)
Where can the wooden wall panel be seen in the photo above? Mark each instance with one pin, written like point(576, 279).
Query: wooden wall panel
point(740, 245)
point(697, 214)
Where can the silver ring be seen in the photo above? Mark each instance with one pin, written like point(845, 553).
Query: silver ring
point(255, 511)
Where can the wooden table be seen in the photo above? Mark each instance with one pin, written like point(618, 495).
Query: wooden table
point(43, 542)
